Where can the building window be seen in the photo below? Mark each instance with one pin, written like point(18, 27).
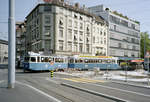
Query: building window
point(75, 37)
point(104, 33)
point(87, 40)
point(75, 32)
point(61, 45)
point(69, 46)
point(61, 10)
point(126, 54)
point(61, 21)
point(47, 44)
point(75, 24)
point(81, 47)
point(47, 8)
point(115, 28)
point(70, 13)
point(124, 23)
point(132, 54)
point(61, 33)
point(70, 23)
point(133, 26)
point(81, 25)
point(47, 19)
point(75, 48)
point(81, 36)
point(81, 18)
point(101, 33)
point(119, 45)
point(94, 39)
point(87, 48)
point(47, 31)
point(101, 40)
point(113, 52)
point(75, 16)
point(70, 34)
point(105, 41)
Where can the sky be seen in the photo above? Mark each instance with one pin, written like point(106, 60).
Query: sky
point(134, 9)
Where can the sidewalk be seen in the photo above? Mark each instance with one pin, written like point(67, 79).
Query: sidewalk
point(20, 93)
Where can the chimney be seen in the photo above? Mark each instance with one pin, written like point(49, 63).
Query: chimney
point(62, 1)
point(77, 5)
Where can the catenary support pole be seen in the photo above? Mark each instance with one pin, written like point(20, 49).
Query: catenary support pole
point(11, 45)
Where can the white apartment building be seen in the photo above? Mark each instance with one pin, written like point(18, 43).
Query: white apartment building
point(3, 52)
point(124, 33)
point(63, 29)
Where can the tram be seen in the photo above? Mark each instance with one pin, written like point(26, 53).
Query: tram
point(89, 62)
point(41, 62)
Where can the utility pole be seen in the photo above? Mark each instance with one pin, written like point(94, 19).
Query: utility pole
point(144, 45)
point(11, 45)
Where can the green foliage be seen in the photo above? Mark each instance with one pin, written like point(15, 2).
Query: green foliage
point(144, 36)
point(121, 15)
point(123, 64)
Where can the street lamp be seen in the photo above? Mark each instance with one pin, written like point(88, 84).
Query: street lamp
point(11, 45)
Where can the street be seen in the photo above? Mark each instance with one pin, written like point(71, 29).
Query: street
point(67, 88)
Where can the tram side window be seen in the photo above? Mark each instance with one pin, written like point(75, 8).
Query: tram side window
point(46, 59)
point(42, 59)
point(113, 61)
point(26, 59)
point(59, 60)
point(86, 61)
point(103, 61)
point(38, 59)
point(80, 60)
point(109, 61)
point(33, 59)
point(71, 61)
point(50, 59)
point(100, 61)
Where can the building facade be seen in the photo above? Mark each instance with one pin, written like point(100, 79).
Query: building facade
point(20, 39)
point(3, 52)
point(124, 33)
point(63, 29)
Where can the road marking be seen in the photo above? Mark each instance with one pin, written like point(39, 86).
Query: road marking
point(56, 82)
point(84, 80)
point(39, 91)
point(121, 90)
point(96, 93)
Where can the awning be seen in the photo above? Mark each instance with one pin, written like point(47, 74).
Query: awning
point(137, 60)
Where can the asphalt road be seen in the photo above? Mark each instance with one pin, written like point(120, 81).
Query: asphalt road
point(127, 92)
point(54, 88)
point(40, 81)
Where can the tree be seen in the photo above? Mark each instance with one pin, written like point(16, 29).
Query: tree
point(144, 36)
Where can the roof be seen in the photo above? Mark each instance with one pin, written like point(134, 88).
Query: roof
point(3, 42)
point(69, 7)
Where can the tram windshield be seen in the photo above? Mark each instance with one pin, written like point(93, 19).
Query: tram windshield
point(30, 59)
point(26, 59)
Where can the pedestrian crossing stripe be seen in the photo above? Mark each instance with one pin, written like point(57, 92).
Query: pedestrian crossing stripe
point(84, 80)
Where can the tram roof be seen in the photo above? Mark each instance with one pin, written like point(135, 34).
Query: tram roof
point(93, 57)
point(97, 56)
point(58, 56)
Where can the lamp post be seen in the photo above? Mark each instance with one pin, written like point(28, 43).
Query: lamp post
point(11, 45)
point(126, 71)
point(108, 66)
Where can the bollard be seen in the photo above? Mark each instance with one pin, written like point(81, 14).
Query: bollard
point(51, 73)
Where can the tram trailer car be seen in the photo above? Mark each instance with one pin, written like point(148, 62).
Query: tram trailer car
point(43, 63)
point(90, 62)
